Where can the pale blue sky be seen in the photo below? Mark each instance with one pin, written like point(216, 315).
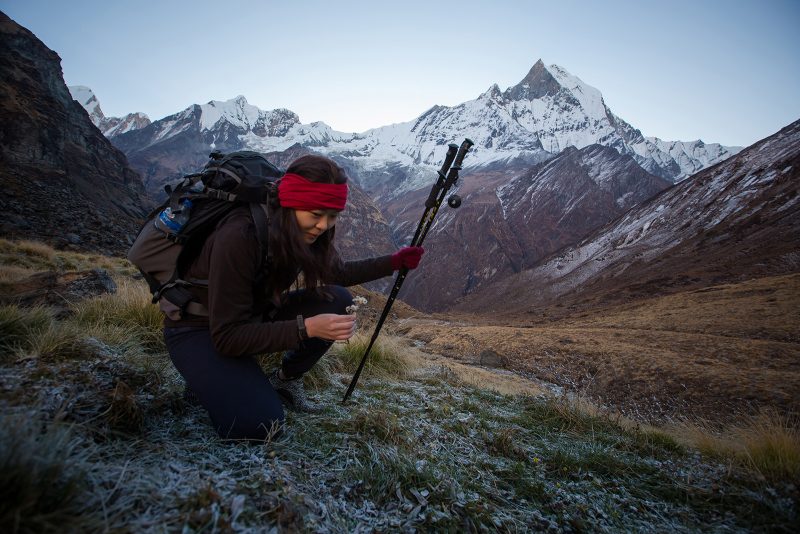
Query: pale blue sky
point(720, 71)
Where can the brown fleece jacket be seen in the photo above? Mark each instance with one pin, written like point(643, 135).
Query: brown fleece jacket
point(229, 261)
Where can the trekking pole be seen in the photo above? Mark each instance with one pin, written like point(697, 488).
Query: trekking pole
point(422, 229)
point(447, 177)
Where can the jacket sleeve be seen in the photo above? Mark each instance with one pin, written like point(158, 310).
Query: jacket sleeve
point(351, 273)
point(236, 330)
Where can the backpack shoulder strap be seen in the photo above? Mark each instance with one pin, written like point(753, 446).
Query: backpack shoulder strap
point(261, 221)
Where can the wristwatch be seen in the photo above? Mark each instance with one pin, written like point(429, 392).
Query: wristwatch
point(301, 328)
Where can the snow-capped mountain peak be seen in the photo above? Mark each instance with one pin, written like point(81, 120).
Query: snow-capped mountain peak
point(548, 111)
point(553, 83)
point(110, 126)
point(86, 98)
point(236, 111)
point(538, 83)
point(558, 108)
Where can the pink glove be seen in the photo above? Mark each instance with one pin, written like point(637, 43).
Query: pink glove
point(407, 257)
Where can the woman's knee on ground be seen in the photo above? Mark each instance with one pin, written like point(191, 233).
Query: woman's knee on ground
point(253, 427)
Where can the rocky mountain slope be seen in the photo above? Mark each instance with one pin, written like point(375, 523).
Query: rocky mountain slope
point(734, 221)
point(62, 180)
point(509, 220)
point(110, 126)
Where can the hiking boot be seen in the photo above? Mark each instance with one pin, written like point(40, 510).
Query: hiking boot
point(292, 393)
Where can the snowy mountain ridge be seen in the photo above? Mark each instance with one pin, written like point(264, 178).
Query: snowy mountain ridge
point(110, 126)
point(547, 112)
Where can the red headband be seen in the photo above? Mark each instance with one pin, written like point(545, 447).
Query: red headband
point(298, 193)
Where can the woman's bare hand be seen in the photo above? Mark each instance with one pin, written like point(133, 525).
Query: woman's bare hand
point(331, 326)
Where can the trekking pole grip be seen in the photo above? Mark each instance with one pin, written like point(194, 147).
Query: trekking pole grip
point(462, 152)
point(452, 149)
point(448, 161)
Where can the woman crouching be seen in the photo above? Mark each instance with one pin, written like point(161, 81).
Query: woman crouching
point(252, 311)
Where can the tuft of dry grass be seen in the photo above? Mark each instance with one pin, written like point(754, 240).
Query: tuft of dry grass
point(37, 250)
point(29, 255)
point(33, 333)
point(767, 443)
point(130, 308)
point(124, 414)
point(388, 357)
point(59, 341)
point(505, 443)
point(20, 328)
point(33, 256)
point(319, 377)
point(9, 274)
point(772, 445)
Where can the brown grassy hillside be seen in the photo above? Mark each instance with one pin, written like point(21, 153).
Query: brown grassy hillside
point(711, 353)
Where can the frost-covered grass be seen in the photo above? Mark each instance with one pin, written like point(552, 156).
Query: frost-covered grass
point(42, 481)
point(425, 452)
point(95, 436)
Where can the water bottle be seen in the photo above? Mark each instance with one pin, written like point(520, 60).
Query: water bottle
point(170, 222)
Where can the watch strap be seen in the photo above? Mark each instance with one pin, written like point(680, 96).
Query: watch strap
point(301, 328)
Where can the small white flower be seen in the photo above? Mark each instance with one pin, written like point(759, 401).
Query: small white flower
point(353, 308)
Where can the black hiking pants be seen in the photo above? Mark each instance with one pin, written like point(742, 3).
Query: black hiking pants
point(235, 391)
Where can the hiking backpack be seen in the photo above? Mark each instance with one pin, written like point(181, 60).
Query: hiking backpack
point(163, 255)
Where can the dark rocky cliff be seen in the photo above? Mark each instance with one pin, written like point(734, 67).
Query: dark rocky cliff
point(62, 180)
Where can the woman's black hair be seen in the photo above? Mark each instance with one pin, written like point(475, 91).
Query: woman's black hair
point(291, 254)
